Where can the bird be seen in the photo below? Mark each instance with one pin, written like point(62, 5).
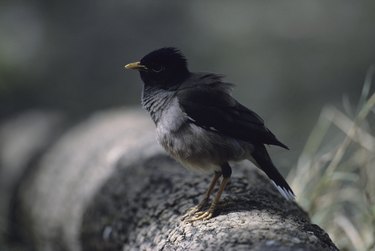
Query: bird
point(200, 124)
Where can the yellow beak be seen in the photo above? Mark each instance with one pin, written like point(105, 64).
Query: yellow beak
point(135, 66)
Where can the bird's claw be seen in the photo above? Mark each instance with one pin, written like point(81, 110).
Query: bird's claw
point(194, 214)
point(205, 215)
point(192, 211)
point(195, 210)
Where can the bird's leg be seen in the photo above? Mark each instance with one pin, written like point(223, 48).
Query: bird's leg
point(209, 191)
point(226, 172)
point(205, 198)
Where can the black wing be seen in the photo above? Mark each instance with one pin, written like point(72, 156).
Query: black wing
point(215, 110)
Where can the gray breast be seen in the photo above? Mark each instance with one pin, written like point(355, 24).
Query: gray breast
point(194, 146)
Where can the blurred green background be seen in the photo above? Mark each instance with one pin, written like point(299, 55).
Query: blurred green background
point(287, 58)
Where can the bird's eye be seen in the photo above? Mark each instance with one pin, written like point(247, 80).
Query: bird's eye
point(158, 68)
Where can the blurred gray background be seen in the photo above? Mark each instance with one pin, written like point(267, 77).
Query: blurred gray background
point(287, 58)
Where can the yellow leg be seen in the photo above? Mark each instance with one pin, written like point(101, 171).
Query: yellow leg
point(208, 214)
point(209, 191)
point(206, 197)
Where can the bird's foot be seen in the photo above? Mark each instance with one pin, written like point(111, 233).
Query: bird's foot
point(195, 210)
point(201, 205)
point(191, 212)
point(205, 215)
point(195, 214)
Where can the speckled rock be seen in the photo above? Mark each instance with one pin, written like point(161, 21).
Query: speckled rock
point(141, 208)
point(105, 184)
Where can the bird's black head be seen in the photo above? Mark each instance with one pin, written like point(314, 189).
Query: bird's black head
point(163, 68)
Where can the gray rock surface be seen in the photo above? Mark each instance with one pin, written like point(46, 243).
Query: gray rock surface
point(252, 215)
point(106, 185)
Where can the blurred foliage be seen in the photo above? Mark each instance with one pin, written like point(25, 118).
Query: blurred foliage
point(335, 180)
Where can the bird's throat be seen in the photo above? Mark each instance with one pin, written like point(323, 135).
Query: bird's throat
point(155, 101)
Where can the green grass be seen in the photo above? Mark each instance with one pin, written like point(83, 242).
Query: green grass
point(334, 178)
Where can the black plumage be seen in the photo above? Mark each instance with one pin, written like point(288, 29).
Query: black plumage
point(220, 112)
point(200, 124)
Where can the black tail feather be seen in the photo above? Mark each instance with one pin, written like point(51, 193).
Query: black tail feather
point(264, 162)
